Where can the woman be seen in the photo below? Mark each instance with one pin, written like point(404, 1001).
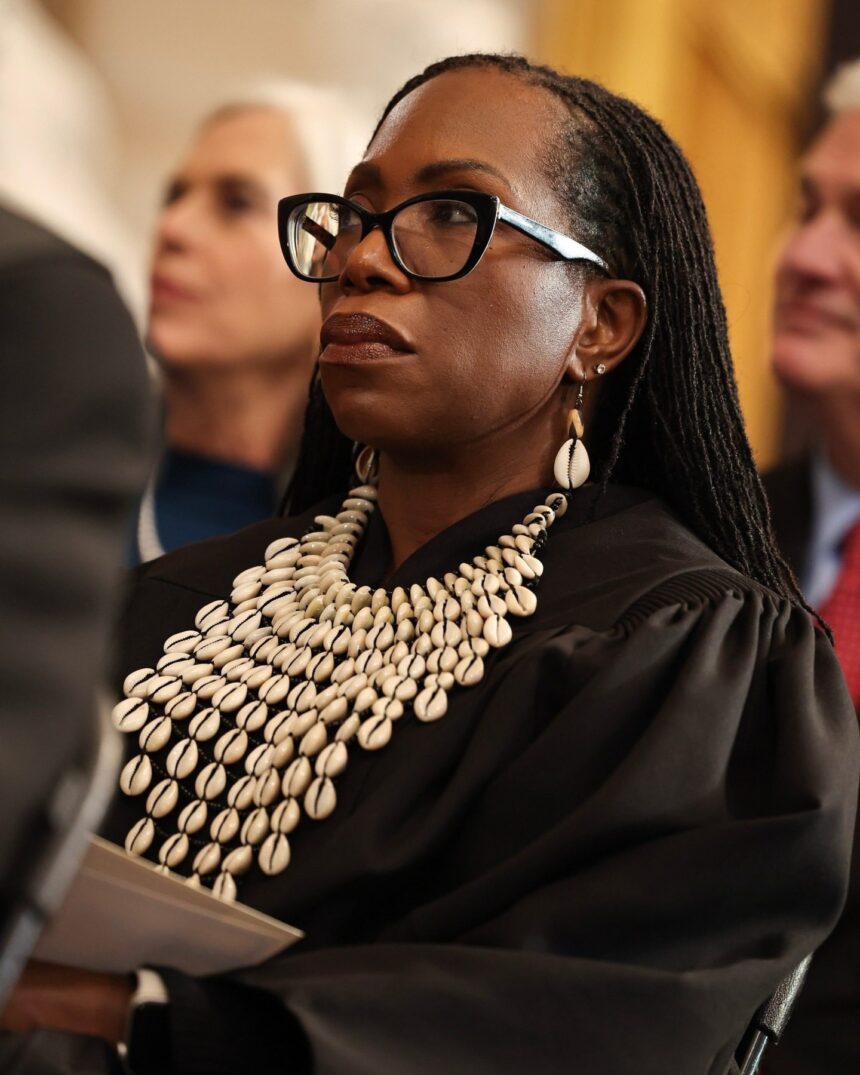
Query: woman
point(602, 802)
point(233, 332)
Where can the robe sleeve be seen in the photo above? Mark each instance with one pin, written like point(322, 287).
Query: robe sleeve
point(639, 929)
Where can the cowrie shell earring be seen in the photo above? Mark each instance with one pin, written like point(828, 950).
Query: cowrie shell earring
point(366, 464)
point(572, 465)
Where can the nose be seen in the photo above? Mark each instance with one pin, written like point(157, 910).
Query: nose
point(370, 267)
point(815, 249)
point(177, 225)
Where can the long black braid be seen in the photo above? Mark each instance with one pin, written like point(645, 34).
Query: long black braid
point(669, 418)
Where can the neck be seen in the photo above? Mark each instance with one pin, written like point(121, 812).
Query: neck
point(251, 417)
point(419, 501)
point(837, 418)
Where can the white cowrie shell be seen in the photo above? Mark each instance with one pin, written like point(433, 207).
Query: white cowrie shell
point(524, 544)
point(255, 827)
point(337, 640)
point(325, 696)
point(314, 739)
point(475, 622)
point(348, 729)
point(136, 775)
point(413, 666)
point(469, 671)
point(256, 677)
point(364, 700)
point(557, 503)
point(136, 684)
point(279, 727)
point(388, 707)
point(520, 601)
point(239, 627)
point(182, 759)
point(321, 667)
point(181, 707)
point(278, 546)
point(130, 714)
point(209, 648)
point(252, 716)
point(173, 664)
point(222, 659)
point(224, 888)
point(506, 541)
point(320, 798)
point(283, 752)
point(571, 467)
point(197, 672)
point(182, 642)
point(259, 760)
point(491, 605)
point(241, 793)
point(206, 687)
point(375, 732)
point(210, 781)
point(426, 622)
point(274, 690)
point(445, 633)
point(274, 855)
point(302, 696)
point(352, 687)
point(231, 746)
point(140, 837)
point(246, 591)
point(238, 861)
point(267, 788)
point(445, 680)
point(331, 760)
point(207, 859)
point(528, 566)
point(297, 777)
point(334, 711)
point(286, 815)
point(297, 663)
point(300, 722)
point(230, 698)
point(225, 826)
point(422, 646)
point(192, 817)
point(163, 798)
point(497, 631)
point(204, 725)
point(405, 631)
point(363, 620)
point(431, 704)
point(400, 687)
point(344, 671)
point(369, 662)
point(396, 654)
point(385, 615)
point(236, 668)
point(250, 574)
point(211, 614)
point(174, 850)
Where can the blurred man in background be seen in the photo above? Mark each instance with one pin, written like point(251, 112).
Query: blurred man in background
point(815, 502)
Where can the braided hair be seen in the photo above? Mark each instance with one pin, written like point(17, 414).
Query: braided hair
point(669, 418)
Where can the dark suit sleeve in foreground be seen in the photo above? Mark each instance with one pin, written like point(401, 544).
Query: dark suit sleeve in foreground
point(633, 928)
point(74, 426)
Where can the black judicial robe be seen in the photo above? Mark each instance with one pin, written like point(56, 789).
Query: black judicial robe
point(602, 859)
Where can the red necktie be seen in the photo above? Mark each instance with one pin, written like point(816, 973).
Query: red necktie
point(842, 612)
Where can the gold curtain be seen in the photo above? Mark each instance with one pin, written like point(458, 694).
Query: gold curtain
point(733, 82)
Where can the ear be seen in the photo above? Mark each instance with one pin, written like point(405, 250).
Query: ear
point(614, 314)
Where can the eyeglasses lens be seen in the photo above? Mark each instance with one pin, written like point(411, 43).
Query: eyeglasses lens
point(432, 238)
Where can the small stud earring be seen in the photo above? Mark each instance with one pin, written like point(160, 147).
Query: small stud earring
point(599, 369)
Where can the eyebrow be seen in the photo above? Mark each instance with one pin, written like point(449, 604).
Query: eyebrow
point(371, 173)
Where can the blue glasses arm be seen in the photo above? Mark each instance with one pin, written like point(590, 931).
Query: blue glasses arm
point(563, 245)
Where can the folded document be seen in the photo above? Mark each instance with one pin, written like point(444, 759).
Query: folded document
point(121, 913)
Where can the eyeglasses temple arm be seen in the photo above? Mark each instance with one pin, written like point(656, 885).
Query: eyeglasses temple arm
point(563, 245)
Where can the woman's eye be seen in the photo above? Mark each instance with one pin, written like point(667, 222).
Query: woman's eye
point(236, 203)
point(450, 213)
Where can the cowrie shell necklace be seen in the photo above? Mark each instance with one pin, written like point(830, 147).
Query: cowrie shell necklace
point(248, 719)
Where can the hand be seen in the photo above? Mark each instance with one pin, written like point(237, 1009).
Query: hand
point(66, 998)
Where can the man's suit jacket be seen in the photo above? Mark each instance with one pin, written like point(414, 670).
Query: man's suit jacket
point(823, 1037)
point(74, 438)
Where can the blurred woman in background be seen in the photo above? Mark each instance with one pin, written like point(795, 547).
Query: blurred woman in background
point(233, 332)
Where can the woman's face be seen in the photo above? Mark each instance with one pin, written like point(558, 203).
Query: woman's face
point(483, 355)
point(221, 293)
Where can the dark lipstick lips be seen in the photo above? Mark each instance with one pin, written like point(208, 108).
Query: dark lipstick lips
point(353, 329)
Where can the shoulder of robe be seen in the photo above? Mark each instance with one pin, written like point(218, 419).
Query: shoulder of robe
point(209, 567)
point(615, 572)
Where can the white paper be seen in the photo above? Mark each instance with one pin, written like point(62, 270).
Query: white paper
point(120, 913)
